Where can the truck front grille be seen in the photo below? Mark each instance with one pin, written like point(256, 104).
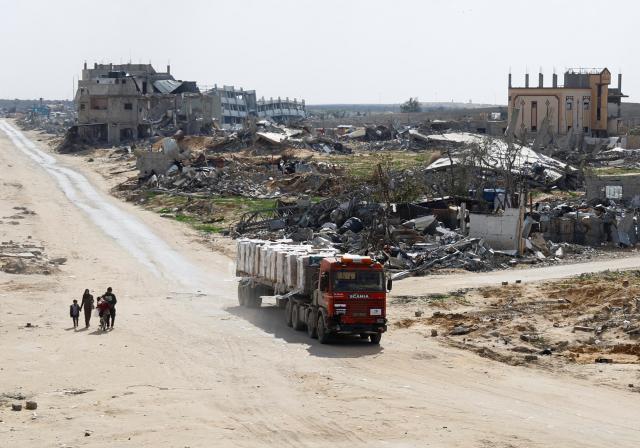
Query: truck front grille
point(361, 308)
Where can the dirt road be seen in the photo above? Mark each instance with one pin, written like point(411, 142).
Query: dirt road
point(186, 367)
point(444, 283)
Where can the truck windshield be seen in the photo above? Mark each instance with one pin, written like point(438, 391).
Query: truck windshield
point(354, 281)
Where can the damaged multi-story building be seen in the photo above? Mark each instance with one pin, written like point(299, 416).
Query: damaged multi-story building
point(122, 102)
point(583, 105)
point(236, 105)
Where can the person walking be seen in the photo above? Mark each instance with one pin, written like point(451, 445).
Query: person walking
point(110, 297)
point(103, 311)
point(87, 304)
point(74, 312)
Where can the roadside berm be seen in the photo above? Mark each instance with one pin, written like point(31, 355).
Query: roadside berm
point(590, 319)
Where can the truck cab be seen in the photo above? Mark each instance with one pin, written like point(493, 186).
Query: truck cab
point(352, 294)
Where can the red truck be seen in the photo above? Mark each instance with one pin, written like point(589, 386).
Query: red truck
point(339, 294)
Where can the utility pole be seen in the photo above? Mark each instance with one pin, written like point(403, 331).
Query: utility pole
point(384, 187)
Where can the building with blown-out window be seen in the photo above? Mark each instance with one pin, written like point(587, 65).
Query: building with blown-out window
point(584, 104)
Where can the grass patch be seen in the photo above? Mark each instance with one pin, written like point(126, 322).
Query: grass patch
point(554, 195)
point(613, 170)
point(152, 194)
point(438, 297)
point(209, 228)
point(186, 218)
point(249, 204)
point(211, 215)
point(362, 166)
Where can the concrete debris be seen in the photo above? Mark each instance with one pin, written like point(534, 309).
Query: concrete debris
point(487, 154)
point(409, 247)
point(31, 405)
point(587, 319)
point(26, 258)
point(470, 206)
point(166, 160)
point(460, 330)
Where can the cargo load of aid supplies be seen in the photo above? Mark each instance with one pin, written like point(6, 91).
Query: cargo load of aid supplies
point(281, 263)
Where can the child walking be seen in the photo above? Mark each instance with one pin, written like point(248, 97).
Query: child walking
point(74, 312)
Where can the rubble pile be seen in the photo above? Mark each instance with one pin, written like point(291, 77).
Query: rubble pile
point(54, 119)
point(415, 219)
point(192, 166)
point(409, 239)
point(26, 258)
point(493, 155)
point(577, 222)
point(593, 318)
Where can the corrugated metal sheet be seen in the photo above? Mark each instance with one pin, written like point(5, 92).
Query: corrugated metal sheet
point(167, 85)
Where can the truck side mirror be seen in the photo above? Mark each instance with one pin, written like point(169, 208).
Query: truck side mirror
point(389, 284)
point(324, 282)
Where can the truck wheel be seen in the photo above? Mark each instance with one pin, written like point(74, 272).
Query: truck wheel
point(262, 290)
point(321, 330)
point(256, 300)
point(252, 297)
point(311, 324)
point(297, 316)
point(288, 313)
point(375, 338)
point(248, 300)
point(242, 288)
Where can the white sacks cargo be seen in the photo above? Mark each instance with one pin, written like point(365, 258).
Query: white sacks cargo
point(281, 263)
point(291, 270)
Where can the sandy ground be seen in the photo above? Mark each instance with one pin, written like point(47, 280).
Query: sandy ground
point(571, 326)
point(186, 367)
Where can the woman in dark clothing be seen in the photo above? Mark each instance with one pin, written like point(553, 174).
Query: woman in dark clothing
point(87, 304)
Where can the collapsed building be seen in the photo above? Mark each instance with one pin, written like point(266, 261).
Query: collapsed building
point(478, 230)
point(237, 105)
point(123, 102)
point(486, 160)
point(619, 188)
point(472, 208)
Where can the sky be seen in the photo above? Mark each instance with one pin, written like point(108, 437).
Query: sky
point(325, 51)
